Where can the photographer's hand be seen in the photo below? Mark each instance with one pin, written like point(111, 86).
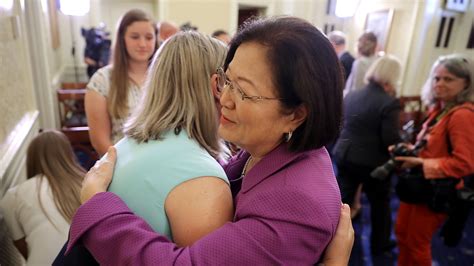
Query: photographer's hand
point(89, 61)
point(409, 161)
point(408, 145)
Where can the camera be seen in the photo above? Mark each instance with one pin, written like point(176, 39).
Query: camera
point(384, 170)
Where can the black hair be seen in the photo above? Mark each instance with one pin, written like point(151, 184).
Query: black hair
point(306, 71)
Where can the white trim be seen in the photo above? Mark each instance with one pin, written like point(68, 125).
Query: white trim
point(40, 68)
point(13, 150)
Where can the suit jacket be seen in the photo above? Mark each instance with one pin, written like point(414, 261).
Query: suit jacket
point(371, 124)
point(286, 212)
point(346, 60)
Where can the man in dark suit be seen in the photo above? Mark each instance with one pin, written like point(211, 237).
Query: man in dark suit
point(338, 41)
point(371, 123)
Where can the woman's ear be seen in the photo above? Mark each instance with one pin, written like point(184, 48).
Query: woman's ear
point(214, 89)
point(298, 116)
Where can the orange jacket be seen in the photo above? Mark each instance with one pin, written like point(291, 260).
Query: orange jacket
point(449, 151)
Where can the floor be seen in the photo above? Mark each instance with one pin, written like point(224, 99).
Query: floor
point(461, 255)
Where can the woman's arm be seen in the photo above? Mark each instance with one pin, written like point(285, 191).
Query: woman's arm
point(114, 235)
point(339, 249)
point(197, 207)
point(98, 121)
point(273, 238)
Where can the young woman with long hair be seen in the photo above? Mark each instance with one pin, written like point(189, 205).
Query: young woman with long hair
point(38, 212)
point(115, 90)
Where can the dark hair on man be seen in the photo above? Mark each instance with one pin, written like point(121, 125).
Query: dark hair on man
point(367, 44)
point(218, 33)
point(305, 69)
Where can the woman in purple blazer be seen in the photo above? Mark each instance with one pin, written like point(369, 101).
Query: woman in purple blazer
point(281, 95)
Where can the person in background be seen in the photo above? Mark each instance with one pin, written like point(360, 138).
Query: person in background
point(281, 103)
point(38, 211)
point(371, 125)
point(366, 46)
point(97, 50)
point(115, 90)
point(448, 152)
point(222, 36)
point(338, 41)
point(166, 29)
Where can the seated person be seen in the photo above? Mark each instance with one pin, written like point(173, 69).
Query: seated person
point(38, 211)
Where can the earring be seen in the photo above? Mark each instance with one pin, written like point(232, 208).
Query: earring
point(288, 136)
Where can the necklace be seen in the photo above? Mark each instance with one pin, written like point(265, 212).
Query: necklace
point(244, 169)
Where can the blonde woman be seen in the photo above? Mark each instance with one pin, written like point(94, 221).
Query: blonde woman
point(115, 90)
point(38, 211)
point(168, 171)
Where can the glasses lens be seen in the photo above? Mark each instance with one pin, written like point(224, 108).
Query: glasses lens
point(220, 79)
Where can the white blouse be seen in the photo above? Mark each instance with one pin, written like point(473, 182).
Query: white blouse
point(25, 219)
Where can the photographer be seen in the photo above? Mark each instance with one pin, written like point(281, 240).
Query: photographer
point(449, 152)
point(97, 50)
point(371, 120)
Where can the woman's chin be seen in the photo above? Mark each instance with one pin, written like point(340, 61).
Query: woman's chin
point(224, 132)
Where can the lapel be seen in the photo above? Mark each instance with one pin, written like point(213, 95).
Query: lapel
point(234, 167)
point(271, 163)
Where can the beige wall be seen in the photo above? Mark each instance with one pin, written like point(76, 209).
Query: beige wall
point(401, 32)
point(412, 35)
point(207, 15)
point(17, 98)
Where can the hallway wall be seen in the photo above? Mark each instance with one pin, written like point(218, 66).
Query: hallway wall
point(18, 109)
point(412, 35)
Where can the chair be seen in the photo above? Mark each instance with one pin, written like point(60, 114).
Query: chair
point(74, 124)
point(71, 107)
point(73, 85)
point(411, 116)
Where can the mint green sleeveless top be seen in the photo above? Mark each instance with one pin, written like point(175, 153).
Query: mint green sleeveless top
point(145, 173)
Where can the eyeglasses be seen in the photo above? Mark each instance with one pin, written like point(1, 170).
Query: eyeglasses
point(224, 81)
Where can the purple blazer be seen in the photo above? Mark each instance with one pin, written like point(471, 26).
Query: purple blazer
point(286, 213)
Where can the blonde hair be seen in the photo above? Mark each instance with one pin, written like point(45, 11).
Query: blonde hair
point(117, 99)
point(50, 156)
point(178, 93)
point(385, 69)
point(458, 65)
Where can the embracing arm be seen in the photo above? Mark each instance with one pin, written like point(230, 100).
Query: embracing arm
point(98, 120)
point(105, 221)
point(197, 207)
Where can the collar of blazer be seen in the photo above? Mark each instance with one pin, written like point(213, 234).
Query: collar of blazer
point(274, 161)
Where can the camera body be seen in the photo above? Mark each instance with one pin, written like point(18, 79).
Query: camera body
point(383, 171)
